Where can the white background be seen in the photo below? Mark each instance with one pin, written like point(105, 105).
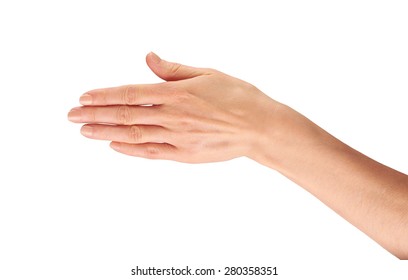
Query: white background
point(72, 208)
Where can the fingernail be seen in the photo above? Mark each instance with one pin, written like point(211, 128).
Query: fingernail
point(74, 115)
point(155, 57)
point(86, 130)
point(115, 146)
point(85, 99)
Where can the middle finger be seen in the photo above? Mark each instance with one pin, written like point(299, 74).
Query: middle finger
point(122, 115)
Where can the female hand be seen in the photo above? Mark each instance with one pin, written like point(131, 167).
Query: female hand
point(202, 115)
point(198, 115)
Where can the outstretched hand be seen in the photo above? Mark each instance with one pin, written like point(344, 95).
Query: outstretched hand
point(202, 115)
point(197, 115)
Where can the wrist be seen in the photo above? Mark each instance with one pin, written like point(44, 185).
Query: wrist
point(284, 138)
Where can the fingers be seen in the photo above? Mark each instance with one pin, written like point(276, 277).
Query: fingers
point(146, 150)
point(154, 94)
point(134, 134)
point(149, 94)
point(171, 71)
point(122, 115)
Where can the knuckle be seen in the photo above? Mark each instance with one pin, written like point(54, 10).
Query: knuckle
point(152, 152)
point(102, 96)
point(181, 97)
point(210, 70)
point(135, 134)
point(175, 68)
point(187, 123)
point(130, 95)
point(123, 115)
point(250, 87)
point(90, 115)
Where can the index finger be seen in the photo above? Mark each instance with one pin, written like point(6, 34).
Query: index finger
point(148, 94)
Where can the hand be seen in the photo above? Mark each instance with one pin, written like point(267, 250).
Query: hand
point(198, 115)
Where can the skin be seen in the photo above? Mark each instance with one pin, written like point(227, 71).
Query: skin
point(202, 115)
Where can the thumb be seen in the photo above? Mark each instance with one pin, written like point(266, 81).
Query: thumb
point(171, 71)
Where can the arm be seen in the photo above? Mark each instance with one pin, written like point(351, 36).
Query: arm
point(202, 115)
point(371, 196)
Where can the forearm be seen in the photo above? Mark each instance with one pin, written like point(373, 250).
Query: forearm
point(368, 194)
